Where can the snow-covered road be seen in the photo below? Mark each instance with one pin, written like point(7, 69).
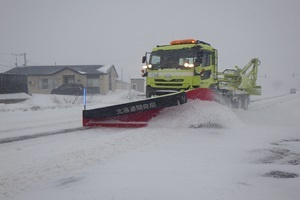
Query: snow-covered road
point(166, 160)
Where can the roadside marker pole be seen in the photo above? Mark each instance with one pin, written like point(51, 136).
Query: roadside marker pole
point(84, 98)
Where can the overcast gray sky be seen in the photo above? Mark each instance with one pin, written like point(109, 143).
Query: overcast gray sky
point(119, 32)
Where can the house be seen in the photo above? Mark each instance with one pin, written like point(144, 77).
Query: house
point(122, 85)
point(138, 84)
point(98, 79)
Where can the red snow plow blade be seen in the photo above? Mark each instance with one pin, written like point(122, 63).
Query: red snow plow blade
point(203, 94)
point(137, 114)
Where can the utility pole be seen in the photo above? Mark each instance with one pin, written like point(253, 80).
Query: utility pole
point(20, 54)
point(16, 63)
point(295, 74)
point(122, 78)
point(296, 80)
point(25, 61)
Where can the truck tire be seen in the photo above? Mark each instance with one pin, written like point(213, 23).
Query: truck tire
point(245, 102)
point(235, 103)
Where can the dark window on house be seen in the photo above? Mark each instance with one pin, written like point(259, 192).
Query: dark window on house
point(93, 81)
point(46, 83)
point(69, 78)
point(93, 84)
point(134, 86)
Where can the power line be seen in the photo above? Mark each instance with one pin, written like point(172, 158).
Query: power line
point(29, 60)
point(294, 74)
point(8, 66)
point(17, 55)
point(5, 54)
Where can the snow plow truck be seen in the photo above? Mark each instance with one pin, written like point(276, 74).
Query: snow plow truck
point(189, 64)
point(175, 73)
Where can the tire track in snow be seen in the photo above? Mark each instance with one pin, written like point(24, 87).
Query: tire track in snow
point(77, 154)
point(272, 101)
point(267, 98)
point(33, 136)
point(44, 124)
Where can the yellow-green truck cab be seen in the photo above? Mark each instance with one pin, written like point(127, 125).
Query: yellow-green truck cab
point(182, 65)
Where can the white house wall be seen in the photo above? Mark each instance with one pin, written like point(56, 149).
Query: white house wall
point(104, 85)
point(33, 81)
point(114, 76)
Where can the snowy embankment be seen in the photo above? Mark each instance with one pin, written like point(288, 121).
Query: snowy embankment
point(50, 113)
point(199, 150)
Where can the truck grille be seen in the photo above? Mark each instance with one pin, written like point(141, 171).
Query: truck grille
point(168, 84)
point(173, 82)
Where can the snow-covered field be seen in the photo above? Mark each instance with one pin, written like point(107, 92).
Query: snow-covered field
point(199, 150)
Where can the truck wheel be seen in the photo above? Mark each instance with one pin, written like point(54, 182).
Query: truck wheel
point(245, 102)
point(240, 104)
point(235, 103)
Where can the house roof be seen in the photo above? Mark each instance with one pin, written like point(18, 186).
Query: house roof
point(53, 69)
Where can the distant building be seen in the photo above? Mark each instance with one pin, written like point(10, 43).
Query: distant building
point(138, 84)
point(98, 79)
point(13, 83)
point(122, 85)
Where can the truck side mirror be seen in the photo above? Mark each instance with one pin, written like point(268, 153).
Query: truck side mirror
point(144, 59)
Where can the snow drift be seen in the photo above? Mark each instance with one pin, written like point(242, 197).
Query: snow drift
point(197, 114)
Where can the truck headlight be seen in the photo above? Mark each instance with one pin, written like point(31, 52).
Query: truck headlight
point(147, 66)
point(188, 65)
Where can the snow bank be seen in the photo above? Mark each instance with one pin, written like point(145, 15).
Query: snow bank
point(167, 160)
point(14, 96)
point(42, 102)
point(50, 101)
point(197, 114)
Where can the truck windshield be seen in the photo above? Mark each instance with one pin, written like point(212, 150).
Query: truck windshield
point(172, 58)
